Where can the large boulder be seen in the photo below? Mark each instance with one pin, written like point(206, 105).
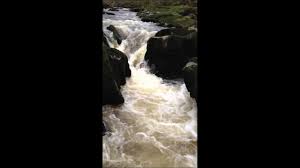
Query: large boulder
point(190, 44)
point(115, 70)
point(118, 34)
point(110, 90)
point(119, 62)
point(167, 55)
point(190, 72)
point(104, 39)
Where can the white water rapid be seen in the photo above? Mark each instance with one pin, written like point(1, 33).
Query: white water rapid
point(157, 124)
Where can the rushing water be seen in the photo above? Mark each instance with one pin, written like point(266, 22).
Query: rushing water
point(157, 124)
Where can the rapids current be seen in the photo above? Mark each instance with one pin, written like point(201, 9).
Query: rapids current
point(157, 124)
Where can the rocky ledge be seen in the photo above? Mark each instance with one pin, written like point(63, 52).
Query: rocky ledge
point(115, 69)
point(172, 53)
point(169, 51)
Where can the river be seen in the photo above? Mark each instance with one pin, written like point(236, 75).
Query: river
point(157, 124)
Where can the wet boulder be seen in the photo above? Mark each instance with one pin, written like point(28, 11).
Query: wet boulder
point(174, 31)
point(103, 129)
point(104, 39)
point(190, 44)
point(115, 71)
point(118, 34)
point(190, 72)
point(110, 90)
point(163, 32)
point(108, 13)
point(167, 55)
point(149, 19)
point(113, 9)
point(120, 66)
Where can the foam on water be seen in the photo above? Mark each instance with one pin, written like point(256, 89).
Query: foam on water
point(157, 124)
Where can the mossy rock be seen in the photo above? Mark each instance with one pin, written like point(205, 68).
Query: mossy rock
point(169, 15)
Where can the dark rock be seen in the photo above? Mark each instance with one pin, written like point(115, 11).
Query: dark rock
point(149, 20)
point(108, 13)
point(113, 9)
point(119, 62)
point(103, 129)
point(167, 55)
point(190, 72)
point(190, 45)
point(116, 33)
point(104, 39)
point(173, 31)
point(135, 9)
point(163, 32)
point(115, 69)
point(170, 25)
point(110, 89)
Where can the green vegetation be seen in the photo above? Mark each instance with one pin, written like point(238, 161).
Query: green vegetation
point(177, 13)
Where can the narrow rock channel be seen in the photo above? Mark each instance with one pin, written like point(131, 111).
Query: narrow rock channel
point(156, 126)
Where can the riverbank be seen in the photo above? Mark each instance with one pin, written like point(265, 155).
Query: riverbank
point(168, 13)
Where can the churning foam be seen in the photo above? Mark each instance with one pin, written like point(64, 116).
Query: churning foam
point(157, 124)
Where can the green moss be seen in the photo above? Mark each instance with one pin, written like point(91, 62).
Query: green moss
point(167, 11)
point(171, 15)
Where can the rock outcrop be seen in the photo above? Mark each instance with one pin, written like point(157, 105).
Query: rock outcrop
point(190, 72)
point(117, 34)
point(173, 31)
point(120, 66)
point(115, 69)
point(113, 9)
point(103, 129)
point(104, 39)
point(167, 54)
point(110, 90)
